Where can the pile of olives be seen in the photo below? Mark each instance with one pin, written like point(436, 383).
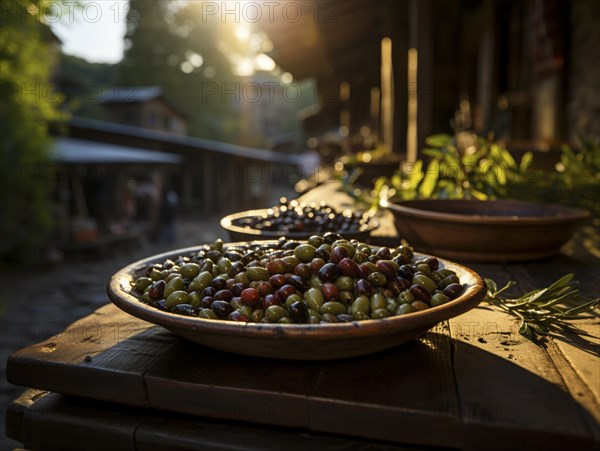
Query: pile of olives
point(299, 217)
point(327, 279)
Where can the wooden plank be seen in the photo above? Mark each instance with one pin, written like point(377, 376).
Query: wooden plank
point(158, 369)
point(576, 357)
point(102, 356)
point(394, 395)
point(185, 433)
point(50, 421)
point(510, 389)
point(203, 381)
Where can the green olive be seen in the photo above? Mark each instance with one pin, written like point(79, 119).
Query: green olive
point(345, 297)
point(155, 275)
point(315, 282)
point(291, 261)
point(242, 277)
point(175, 284)
point(142, 283)
point(207, 313)
point(406, 297)
point(425, 282)
point(257, 273)
point(380, 313)
point(377, 279)
point(453, 278)
point(195, 299)
point(291, 299)
point(236, 303)
point(329, 318)
point(189, 270)
point(305, 252)
point(404, 309)
point(360, 307)
point(360, 257)
point(275, 312)
point(224, 265)
point(438, 299)
point(424, 268)
point(378, 301)
point(201, 281)
point(314, 313)
point(257, 315)
point(315, 241)
point(314, 299)
point(392, 305)
point(444, 272)
point(176, 298)
point(419, 305)
point(171, 275)
point(246, 310)
point(206, 265)
point(344, 283)
point(333, 307)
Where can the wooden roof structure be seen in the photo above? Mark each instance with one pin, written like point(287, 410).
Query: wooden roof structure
point(338, 42)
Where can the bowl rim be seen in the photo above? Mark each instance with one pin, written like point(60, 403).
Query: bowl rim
point(123, 298)
point(226, 223)
point(408, 208)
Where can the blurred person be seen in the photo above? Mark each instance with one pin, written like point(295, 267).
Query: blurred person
point(167, 215)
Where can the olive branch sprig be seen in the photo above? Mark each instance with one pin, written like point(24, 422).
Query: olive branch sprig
point(546, 311)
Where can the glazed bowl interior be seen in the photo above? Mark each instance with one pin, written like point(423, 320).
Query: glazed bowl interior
point(485, 231)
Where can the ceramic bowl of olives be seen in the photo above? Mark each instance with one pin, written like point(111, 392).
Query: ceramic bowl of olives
point(324, 298)
point(297, 220)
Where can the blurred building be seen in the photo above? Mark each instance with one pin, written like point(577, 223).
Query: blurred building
point(147, 107)
point(522, 71)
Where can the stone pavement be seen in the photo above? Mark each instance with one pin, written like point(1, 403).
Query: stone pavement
point(37, 304)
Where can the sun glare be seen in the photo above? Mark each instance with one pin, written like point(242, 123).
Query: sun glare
point(264, 62)
point(242, 32)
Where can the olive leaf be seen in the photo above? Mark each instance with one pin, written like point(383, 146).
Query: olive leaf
point(546, 311)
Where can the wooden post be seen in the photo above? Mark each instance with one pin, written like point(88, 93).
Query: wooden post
point(387, 94)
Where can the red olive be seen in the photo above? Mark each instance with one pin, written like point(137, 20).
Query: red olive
point(348, 267)
point(420, 292)
point(250, 296)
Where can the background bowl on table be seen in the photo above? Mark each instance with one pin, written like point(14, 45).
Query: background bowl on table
point(298, 221)
point(293, 340)
point(371, 169)
point(485, 231)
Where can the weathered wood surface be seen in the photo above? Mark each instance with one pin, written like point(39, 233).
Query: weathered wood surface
point(466, 380)
point(471, 382)
point(49, 421)
point(152, 367)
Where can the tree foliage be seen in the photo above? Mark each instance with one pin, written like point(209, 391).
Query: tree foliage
point(160, 37)
point(27, 106)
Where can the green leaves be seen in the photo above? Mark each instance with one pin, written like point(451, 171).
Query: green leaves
point(474, 168)
point(429, 182)
point(546, 311)
point(440, 140)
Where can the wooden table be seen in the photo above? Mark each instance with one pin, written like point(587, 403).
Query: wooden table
point(111, 381)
